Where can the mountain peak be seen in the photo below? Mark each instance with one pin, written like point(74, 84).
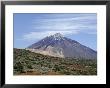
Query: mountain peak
point(59, 46)
point(58, 36)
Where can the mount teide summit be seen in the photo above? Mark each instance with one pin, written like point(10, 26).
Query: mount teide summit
point(59, 46)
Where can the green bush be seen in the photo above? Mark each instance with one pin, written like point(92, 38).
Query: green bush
point(29, 66)
point(25, 60)
point(18, 67)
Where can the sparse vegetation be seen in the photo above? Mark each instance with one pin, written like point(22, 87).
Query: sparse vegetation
point(30, 63)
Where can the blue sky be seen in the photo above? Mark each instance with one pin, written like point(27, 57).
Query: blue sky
point(31, 27)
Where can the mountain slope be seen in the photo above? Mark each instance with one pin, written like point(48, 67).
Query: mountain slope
point(29, 63)
point(60, 46)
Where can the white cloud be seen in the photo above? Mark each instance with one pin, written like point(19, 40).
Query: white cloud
point(40, 35)
point(67, 25)
point(79, 18)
